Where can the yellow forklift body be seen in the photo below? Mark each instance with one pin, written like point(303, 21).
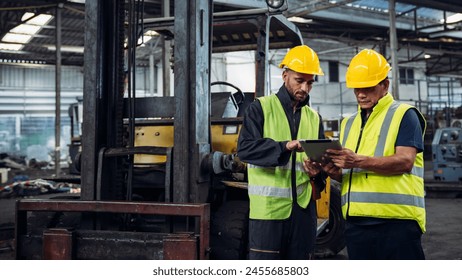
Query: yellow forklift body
point(224, 139)
point(159, 136)
point(323, 204)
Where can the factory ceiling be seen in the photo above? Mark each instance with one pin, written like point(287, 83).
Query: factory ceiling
point(430, 28)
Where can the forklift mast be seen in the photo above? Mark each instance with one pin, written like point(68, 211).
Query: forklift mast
point(102, 125)
point(103, 97)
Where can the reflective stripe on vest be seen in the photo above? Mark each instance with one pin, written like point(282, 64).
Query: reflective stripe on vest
point(269, 188)
point(417, 171)
point(372, 195)
point(385, 198)
point(288, 166)
point(275, 192)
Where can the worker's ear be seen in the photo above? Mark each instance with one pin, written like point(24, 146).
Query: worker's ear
point(285, 75)
point(386, 84)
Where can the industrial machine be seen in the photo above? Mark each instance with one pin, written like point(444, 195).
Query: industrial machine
point(447, 154)
point(159, 175)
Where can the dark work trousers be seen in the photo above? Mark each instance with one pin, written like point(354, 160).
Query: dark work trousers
point(290, 239)
point(390, 240)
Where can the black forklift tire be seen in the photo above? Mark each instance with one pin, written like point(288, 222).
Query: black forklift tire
point(331, 240)
point(229, 231)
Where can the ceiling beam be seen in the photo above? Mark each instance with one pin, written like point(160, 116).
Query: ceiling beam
point(446, 5)
point(300, 8)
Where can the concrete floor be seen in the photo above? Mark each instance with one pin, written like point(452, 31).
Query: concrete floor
point(442, 241)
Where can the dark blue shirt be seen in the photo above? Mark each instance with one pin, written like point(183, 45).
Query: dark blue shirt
point(410, 131)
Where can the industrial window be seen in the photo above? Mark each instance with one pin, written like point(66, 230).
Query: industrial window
point(333, 71)
point(406, 76)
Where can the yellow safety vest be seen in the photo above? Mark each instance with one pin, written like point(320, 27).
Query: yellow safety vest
point(368, 194)
point(269, 188)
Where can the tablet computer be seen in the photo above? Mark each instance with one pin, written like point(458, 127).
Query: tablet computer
point(315, 149)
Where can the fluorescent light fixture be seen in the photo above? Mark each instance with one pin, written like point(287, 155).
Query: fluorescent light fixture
point(22, 33)
point(27, 16)
point(453, 18)
point(41, 19)
point(300, 20)
point(11, 47)
point(148, 35)
point(77, 1)
point(151, 33)
point(144, 40)
point(26, 29)
point(16, 38)
point(73, 49)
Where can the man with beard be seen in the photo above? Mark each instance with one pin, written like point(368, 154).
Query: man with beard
point(282, 219)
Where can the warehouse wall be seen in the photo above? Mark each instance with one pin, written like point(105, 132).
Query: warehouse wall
point(27, 107)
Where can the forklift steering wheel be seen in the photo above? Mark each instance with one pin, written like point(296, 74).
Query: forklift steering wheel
point(233, 98)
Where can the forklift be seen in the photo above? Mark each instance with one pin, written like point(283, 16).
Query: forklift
point(160, 178)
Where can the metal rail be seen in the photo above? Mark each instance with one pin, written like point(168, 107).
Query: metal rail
point(200, 210)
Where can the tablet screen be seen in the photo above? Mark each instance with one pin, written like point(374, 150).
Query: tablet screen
point(315, 149)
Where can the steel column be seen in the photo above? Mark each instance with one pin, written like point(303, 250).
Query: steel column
point(192, 98)
point(91, 92)
point(102, 96)
point(261, 67)
point(394, 50)
point(166, 54)
point(58, 93)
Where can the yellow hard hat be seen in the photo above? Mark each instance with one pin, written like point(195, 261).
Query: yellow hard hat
point(302, 59)
point(366, 69)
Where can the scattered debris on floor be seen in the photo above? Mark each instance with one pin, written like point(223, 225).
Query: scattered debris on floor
point(37, 187)
point(23, 179)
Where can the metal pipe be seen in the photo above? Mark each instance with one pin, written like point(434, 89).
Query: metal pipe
point(166, 53)
point(58, 92)
point(249, 12)
point(394, 50)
